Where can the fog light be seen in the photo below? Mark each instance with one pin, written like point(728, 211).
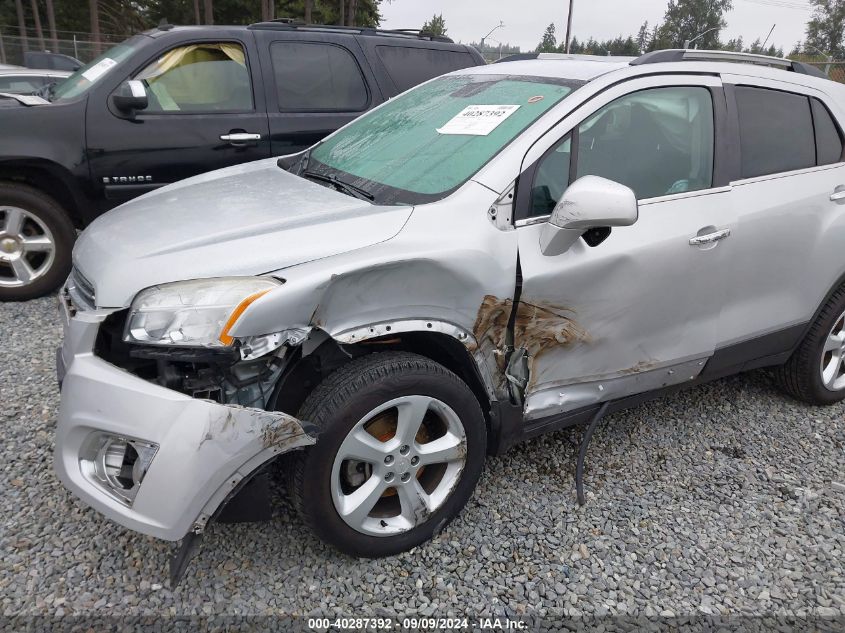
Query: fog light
point(117, 464)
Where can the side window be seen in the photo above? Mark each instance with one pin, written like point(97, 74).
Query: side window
point(203, 77)
point(409, 66)
point(312, 76)
point(775, 131)
point(657, 142)
point(828, 137)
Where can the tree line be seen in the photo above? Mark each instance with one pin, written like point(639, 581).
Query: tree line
point(703, 21)
point(42, 23)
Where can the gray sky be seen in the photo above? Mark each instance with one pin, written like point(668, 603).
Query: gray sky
point(525, 20)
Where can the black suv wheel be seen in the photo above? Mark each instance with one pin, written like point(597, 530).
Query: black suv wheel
point(36, 239)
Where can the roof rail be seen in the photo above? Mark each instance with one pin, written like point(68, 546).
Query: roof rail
point(688, 55)
point(290, 24)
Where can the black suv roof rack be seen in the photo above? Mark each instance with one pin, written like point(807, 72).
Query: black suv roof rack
point(690, 55)
point(289, 24)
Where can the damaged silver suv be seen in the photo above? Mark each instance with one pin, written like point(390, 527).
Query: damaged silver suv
point(498, 253)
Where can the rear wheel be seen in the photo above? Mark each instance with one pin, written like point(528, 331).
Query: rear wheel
point(401, 446)
point(36, 239)
point(816, 371)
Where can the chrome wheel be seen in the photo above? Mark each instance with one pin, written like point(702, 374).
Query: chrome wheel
point(833, 357)
point(398, 465)
point(27, 247)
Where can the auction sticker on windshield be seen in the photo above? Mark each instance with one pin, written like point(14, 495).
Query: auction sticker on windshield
point(99, 69)
point(478, 120)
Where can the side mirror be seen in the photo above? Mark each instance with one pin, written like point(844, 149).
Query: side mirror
point(588, 203)
point(130, 97)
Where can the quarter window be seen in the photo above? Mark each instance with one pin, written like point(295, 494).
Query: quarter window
point(203, 77)
point(775, 131)
point(828, 137)
point(311, 76)
point(657, 142)
point(411, 66)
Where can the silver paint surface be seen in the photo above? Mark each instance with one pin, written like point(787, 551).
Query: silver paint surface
point(643, 310)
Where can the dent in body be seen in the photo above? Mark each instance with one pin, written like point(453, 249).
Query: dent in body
point(537, 328)
point(425, 279)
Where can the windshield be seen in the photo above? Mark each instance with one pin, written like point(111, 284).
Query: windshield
point(424, 144)
point(80, 81)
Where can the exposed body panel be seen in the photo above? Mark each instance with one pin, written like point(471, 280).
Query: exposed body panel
point(205, 448)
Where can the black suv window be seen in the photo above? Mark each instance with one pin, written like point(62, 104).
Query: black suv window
point(658, 142)
point(775, 131)
point(202, 77)
point(312, 76)
point(409, 66)
point(828, 137)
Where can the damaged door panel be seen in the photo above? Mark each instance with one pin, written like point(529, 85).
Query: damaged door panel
point(643, 303)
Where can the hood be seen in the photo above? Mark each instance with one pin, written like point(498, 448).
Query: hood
point(244, 220)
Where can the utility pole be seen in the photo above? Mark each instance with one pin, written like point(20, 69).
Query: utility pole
point(569, 27)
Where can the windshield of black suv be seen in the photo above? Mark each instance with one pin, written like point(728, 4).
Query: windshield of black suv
point(81, 81)
point(422, 145)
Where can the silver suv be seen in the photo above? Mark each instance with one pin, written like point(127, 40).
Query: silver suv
point(498, 253)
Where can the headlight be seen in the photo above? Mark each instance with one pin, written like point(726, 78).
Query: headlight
point(193, 313)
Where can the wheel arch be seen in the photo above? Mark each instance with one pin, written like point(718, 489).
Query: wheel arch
point(310, 366)
point(49, 178)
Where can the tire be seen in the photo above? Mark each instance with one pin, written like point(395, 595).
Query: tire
point(803, 375)
point(342, 403)
point(28, 216)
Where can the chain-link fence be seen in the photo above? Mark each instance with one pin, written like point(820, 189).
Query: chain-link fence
point(834, 70)
point(78, 45)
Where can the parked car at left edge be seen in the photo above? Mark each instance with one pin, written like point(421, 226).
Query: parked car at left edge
point(23, 81)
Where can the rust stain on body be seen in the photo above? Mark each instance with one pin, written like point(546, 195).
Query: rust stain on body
point(642, 366)
point(538, 327)
point(491, 324)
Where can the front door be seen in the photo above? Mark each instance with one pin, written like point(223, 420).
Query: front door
point(206, 111)
point(637, 309)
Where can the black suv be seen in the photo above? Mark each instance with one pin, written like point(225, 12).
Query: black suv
point(178, 101)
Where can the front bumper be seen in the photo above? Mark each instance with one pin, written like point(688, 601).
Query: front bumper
point(204, 448)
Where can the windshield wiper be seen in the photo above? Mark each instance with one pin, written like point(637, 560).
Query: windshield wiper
point(344, 187)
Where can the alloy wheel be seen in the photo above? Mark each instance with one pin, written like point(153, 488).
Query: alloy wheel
point(398, 465)
point(27, 247)
point(833, 357)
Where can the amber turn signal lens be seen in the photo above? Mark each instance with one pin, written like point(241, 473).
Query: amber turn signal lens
point(236, 314)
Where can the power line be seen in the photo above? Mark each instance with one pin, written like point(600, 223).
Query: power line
point(782, 4)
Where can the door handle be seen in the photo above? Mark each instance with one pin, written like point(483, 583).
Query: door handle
point(838, 194)
point(710, 238)
point(240, 137)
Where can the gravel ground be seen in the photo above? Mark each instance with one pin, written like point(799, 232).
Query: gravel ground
point(721, 500)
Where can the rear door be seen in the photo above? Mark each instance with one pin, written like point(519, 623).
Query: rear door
point(786, 252)
point(206, 111)
point(315, 84)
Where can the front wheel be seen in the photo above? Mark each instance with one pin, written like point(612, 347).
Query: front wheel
point(401, 446)
point(36, 239)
